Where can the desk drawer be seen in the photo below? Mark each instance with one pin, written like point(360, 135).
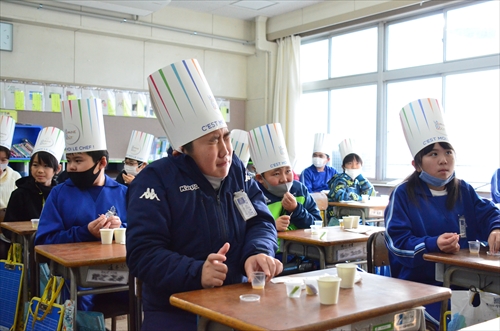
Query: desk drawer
point(338, 253)
point(97, 276)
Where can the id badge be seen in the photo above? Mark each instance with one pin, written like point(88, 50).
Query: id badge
point(244, 205)
point(463, 226)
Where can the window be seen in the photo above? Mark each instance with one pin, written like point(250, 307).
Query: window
point(451, 54)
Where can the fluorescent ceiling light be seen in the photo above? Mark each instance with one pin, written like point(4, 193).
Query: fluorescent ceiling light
point(255, 5)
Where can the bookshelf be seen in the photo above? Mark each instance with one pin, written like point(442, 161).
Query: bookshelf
point(22, 132)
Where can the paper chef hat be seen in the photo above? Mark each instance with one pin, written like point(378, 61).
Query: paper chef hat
point(184, 103)
point(239, 140)
point(50, 140)
point(267, 147)
point(139, 146)
point(346, 147)
point(322, 143)
point(7, 127)
point(83, 125)
point(423, 124)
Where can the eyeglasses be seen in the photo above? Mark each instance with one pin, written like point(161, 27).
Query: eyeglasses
point(132, 163)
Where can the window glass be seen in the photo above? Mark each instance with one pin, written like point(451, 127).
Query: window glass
point(416, 42)
point(354, 53)
point(399, 94)
point(354, 115)
point(314, 61)
point(472, 121)
point(473, 31)
point(312, 118)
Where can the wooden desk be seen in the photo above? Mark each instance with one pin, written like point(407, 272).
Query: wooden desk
point(372, 297)
point(76, 258)
point(465, 269)
point(372, 209)
point(336, 245)
point(24, 234)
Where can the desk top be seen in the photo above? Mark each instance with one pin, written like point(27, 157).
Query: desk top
point(83, 254)
point(464, 258)
point(372, 203)
point(491, 325)
point(22, 228)
point(275, 311)
point(334, 236)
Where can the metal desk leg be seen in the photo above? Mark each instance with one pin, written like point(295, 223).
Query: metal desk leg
point(73, 294)
point(26, 268)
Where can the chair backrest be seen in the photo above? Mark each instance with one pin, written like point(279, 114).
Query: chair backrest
point(377, 254)
point(322, 202)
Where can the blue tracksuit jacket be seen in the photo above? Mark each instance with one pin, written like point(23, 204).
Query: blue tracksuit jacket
point(176, 219)
point(344, 188)
point(317, 181)
point(412, 231)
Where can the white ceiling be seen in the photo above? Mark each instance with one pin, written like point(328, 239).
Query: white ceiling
point(232, 8)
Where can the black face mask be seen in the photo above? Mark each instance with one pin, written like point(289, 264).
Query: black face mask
point(84, 179)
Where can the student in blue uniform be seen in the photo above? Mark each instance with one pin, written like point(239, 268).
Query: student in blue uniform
point(89, 200)
point(316, 177)
point(495, 186)
point(288, 200)
point(195, 220)
point(432, 210)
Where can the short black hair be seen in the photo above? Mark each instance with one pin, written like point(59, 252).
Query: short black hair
point(46, 158)
point(6, 150)
point(97, 155)
point(351, 157)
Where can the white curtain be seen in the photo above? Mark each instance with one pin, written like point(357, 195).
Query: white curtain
point(287, 91)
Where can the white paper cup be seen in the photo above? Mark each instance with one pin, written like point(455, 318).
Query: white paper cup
point(120, 235)
point(34, 223)
point(329, 288)
point(318, 223)
point(364, 198)
point(294, 288)
point(315, 229)
point(258, 280)
point(347, 272)
point(106, 236)
point(355, 222)
point(347, 222)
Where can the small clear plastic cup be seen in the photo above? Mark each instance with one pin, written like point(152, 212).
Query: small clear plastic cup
point(258, 280)
point(474, 247)
point(311, 286)
point(294, 288)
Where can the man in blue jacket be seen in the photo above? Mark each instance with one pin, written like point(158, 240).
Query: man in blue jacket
point(195, 220)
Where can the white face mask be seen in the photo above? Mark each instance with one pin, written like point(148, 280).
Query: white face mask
point(353, 173)
point(318, 162)
point(3, 166)
point(131, 170)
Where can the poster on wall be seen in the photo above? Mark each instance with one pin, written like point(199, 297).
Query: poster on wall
point(14, 96)
point(72, 93)
point(34, 97)
point(123, 103)
point(52, 98)
point(108, 102)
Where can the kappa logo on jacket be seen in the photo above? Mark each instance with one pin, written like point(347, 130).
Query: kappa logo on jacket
point(149, 194)
point(188, 187)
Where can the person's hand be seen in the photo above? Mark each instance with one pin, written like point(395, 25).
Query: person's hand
point(282, 222)
point(448, 242)
point(262, 262)
point(289, 202)
point(128, 178)
point(214, 270)
point(99, 223)
point(494, 241)
point(114, 222)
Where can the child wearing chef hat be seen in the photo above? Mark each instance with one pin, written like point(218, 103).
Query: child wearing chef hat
point(137, 156)
point(195, 219)
point(433, 210)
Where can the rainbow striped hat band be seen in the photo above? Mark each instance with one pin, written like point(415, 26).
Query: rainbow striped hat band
point(184, 103)
point(139, 146)
point(50, 140)
point(239, 140)
point(7, 127)
point(423, 124)
point(322, 143)
point(83, 125)
point(268, 148)
point(346, 147)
